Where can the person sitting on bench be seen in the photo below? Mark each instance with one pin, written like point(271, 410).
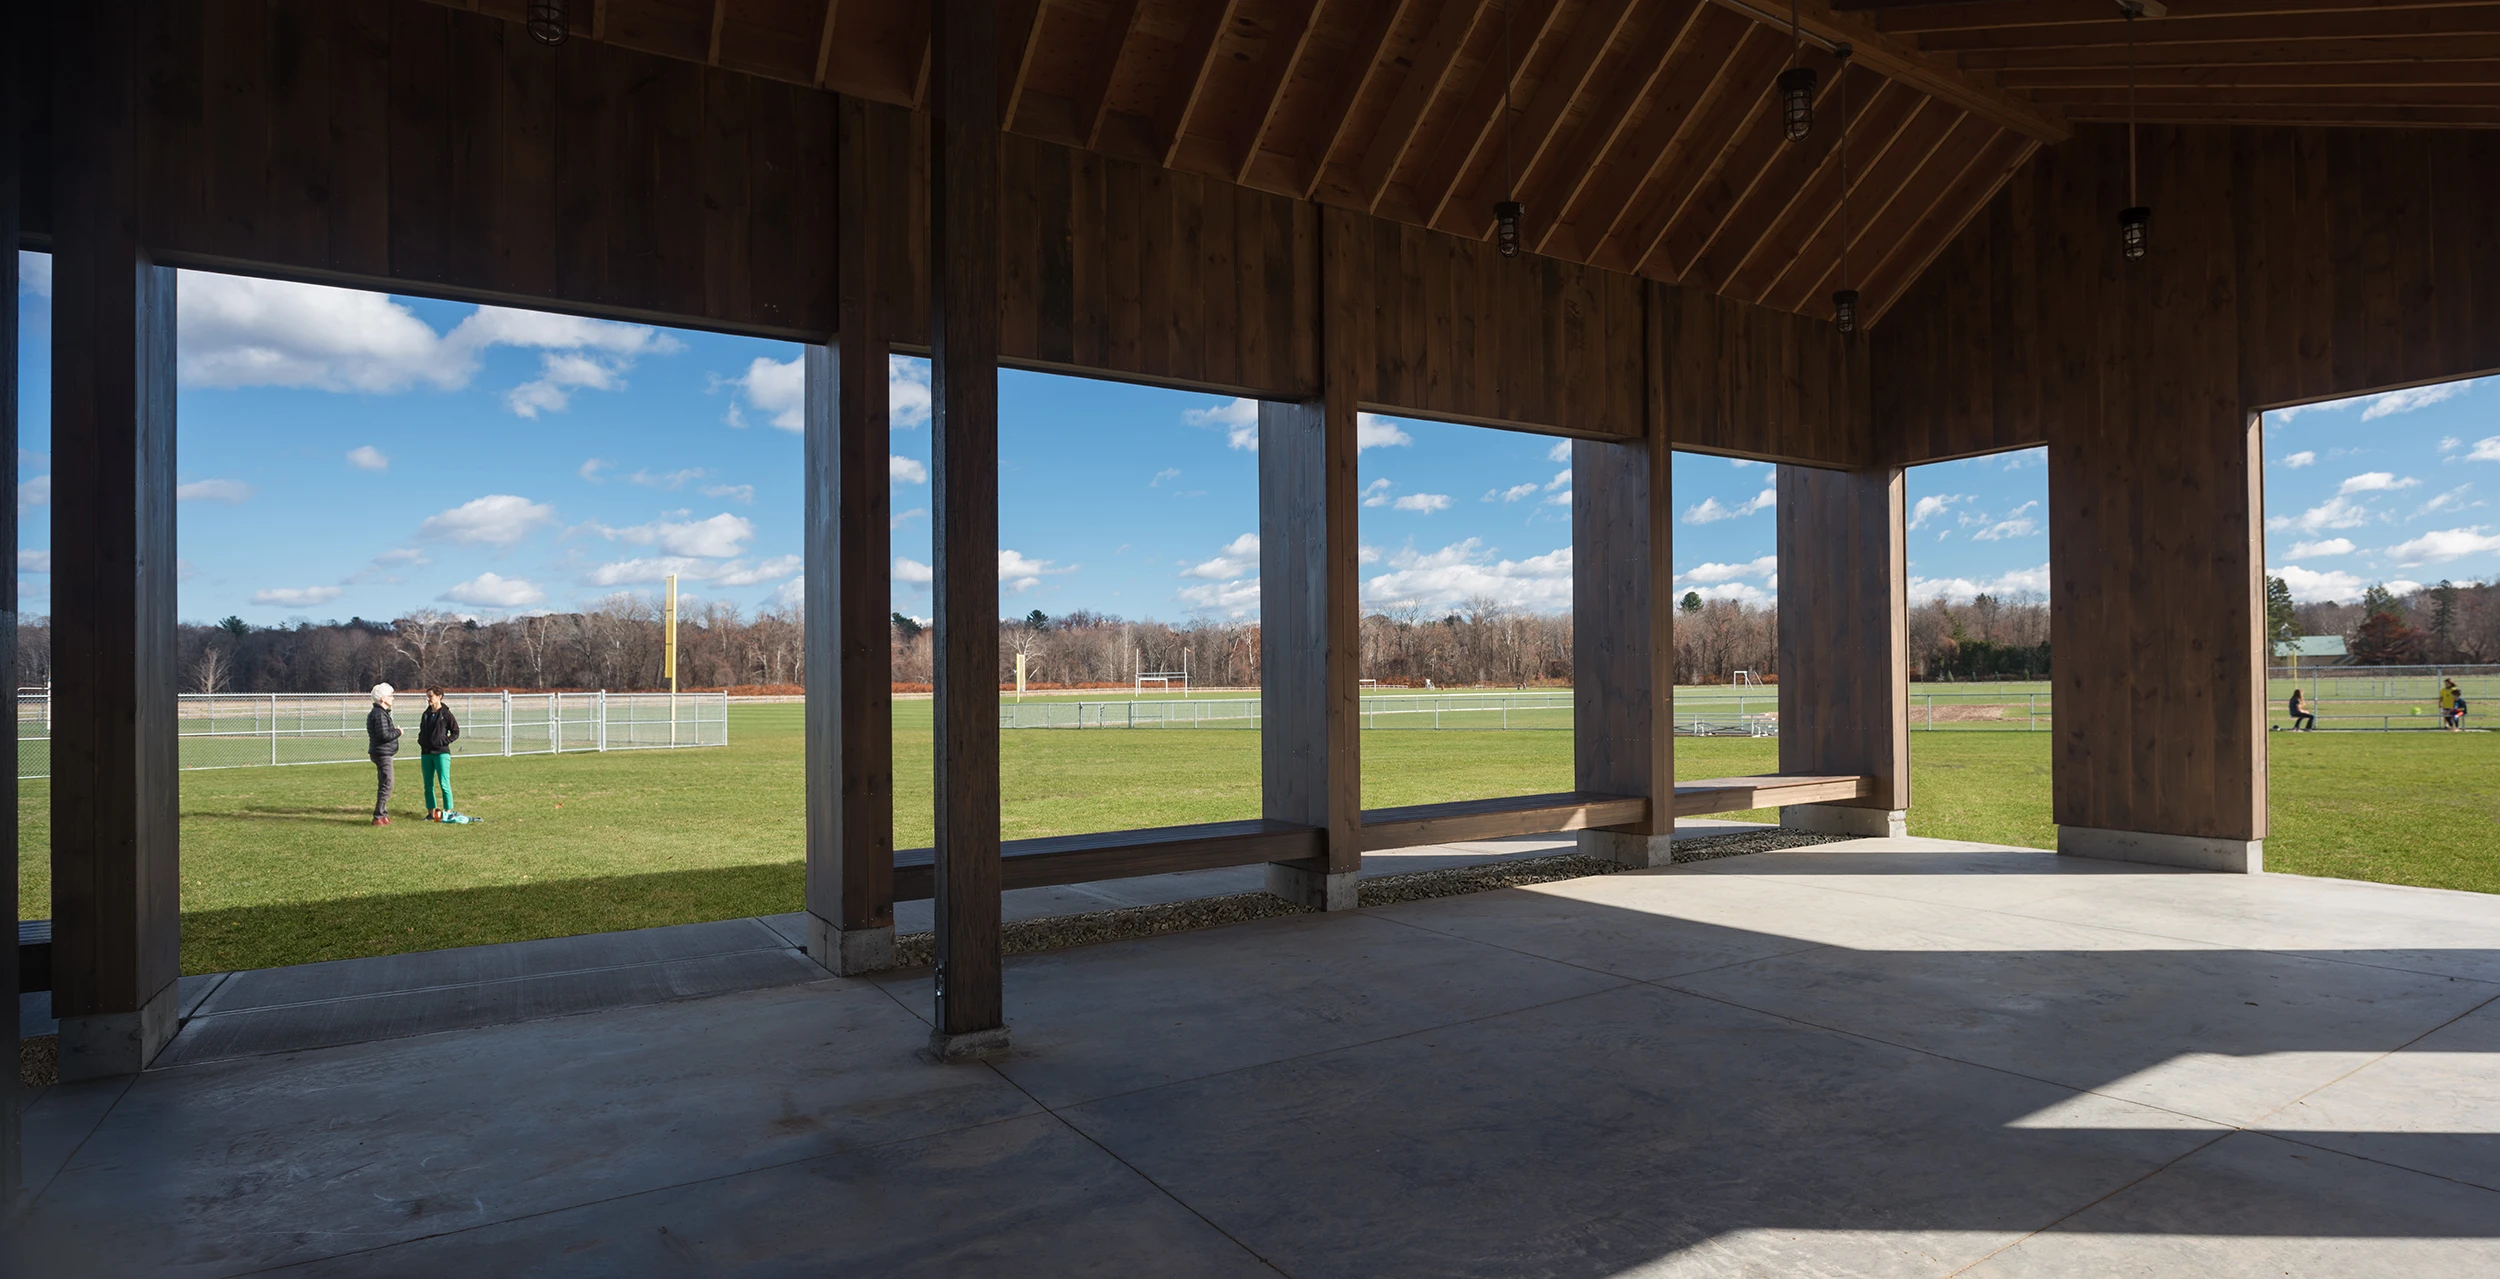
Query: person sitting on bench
point(2302, 720)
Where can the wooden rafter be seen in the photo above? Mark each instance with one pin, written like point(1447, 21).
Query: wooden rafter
point(824, 41)
point(1285, 44)
point(1427, 75)
point(1093, 103)
point(1335, 120)
point(1475, 121)
point(1797, 227)
point(1980, 15)
point(1197, 52)
point(1879, 185)
point(1602, 199)
point(1576, 74)
point(1969, 192)
point(1019, 34)
point(1909, 62)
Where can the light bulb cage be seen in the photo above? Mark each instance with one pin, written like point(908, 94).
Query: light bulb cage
point(545, 20)
point(1796, 86)
point(2135, 231)
point(1845, 310)
point(1506, 215)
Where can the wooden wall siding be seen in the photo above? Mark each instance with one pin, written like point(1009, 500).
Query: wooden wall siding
point(115, 886)
point(1136, 271)
point(1457, 331)
point(1844, 634)
point(2358, 260)
point(1623, 634)
point(408, 144)
point(12, 95)
point(1750, 382)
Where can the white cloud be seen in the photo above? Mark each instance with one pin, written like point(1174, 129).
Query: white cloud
point(741, 493)
point(2295, 461)
point(2452, 500)
point(1561, 480)
point(1239, 556)
point(1710, 512)
point(1741, 592)
point(35, 492)
point(295, 596)
point(2335, 512)
point(1017, 573)
point(717, 572)
point(671, 480)
point(2013, 525)
point(1423, 502)
point(487, 590)
point(2317, 588)
point(2406, 401)
point(2375, 482)
point(904, 470)
point(912, 571)
point(1238, 418)
point(34, 274)
point(365, 457)
point(1237, 598)
point(1705, 574)
point(1366, 554)
point(1465, 571)
point(499, 519)
point(906, 391)
point(1167, 473)
point(1561, 452)
point(1372, 431)
point(230, 492)
point(2031, 581)
point(778, 389)
point(34, 561)
point(1559, 499)
point(895, 521)
point(2446, 544)
point(2025, 459)
point(1513, 493)
point(792, 594)
point(1376, 493)
point(235, 331)
point(589, 470)
point(719, 537)
point(2331, 546)
point(2486, 449)
point(1931, 506)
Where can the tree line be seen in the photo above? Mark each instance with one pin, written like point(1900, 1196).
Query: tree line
point(2441, 624)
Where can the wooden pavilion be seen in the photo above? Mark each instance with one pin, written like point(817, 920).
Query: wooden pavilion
point(1296, 200)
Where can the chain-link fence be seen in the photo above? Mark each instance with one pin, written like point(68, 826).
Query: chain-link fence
point(1532, 709)
point(265, 729)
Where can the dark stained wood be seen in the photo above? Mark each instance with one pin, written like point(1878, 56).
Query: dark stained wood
point(1749, 382)
point(850, 725)
point(1844, 635)
point(1741, 794)
point(964, 341)
point(12, 132)
point(1623, 622)
point(1419, 824)
point(115, 878)
point(1350, 84)
point(1309, 602)
point(1427, 76)
point(1126, 854)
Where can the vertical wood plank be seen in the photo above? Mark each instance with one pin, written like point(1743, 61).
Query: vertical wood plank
point(12, 132)
point(1623, 636)
point(964, 341)
point(116, 884)
point(1844, 628)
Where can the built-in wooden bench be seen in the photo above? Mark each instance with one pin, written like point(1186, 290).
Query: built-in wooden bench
point(1737, 794)
point(1416, 824)
point(1124, 854)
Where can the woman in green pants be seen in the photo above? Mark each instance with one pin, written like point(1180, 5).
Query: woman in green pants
point(435, 734)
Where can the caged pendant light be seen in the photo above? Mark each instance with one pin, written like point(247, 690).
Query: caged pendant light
point(1796, 84)
point(2134, 221)
point(1507, 211)
point(545, 20)
point(1844, 302)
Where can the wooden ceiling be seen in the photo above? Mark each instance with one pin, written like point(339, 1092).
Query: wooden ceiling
point(1644, 134)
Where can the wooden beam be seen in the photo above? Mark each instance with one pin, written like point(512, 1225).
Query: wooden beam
point(1779, 183)
point(1093, 97)
point(1284, 45)
point(1699, 136)
point(1741, 794)
point(2478, 72)
point(13, 115)
point(1019, 32)
point(1623, 635)
point(1126, 854)
point(1899, 59)
point(1980, 15)
point(2150, 102)
point(850, 710)
point(1369, 50)
point(1195, 63)
point(2110, 31)
point(824, 41)
point(2332, 116)
point(1979, 183)
point(1813, 211)
point(116, 884)
point(2446, 48)
point(1427, 75)
point(1878, 186)
point(1752, 147)
point(1474, 126)
point(720, 15)
point(1417, 825)
point(1844, 636)
point(1539, 133)
point(964, 271)
point(1310, 614)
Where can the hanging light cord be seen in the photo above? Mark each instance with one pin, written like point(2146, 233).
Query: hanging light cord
point(2131, 11)
point(1844, 173)
point(1510, 72)
point(1796, 37)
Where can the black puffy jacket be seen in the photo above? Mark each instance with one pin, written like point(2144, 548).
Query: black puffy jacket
point(437, 730)
point(381, 735)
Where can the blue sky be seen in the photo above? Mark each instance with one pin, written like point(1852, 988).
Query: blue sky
point(346, 453)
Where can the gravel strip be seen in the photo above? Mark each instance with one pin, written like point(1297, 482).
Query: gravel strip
point(39, 1060)
point(1024, 937)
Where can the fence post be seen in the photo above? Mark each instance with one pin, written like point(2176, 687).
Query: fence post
point(555, 723)
point(273, 729)
point(507, 723)
point(601, 709)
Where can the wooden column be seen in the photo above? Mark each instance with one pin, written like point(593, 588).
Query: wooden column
point(850, 706)
point(1310, 607)
point(1844, 643)
point(1623, 639)
point(964, 274)
point(11, 123)
point(115, 890)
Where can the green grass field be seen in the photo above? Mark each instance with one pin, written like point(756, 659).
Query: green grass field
point(279, 865)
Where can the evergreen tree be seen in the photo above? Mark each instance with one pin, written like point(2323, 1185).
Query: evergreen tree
point(2282, 627)
point(1692, 602)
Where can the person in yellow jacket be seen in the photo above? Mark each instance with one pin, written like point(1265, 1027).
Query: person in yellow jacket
point(2451, 706)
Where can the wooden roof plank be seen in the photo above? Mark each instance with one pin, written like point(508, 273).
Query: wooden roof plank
point(1877, 185)
point(1195, 59)
point(1427, 75)
point(1093, 103)
point(1476, 127)
point(1369, 49)
point(1970, 193)
point(1285, 46)
point(1897, 58)
point(1697, 138)
point(1800, 227)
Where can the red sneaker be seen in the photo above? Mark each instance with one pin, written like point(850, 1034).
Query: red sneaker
point(381, 821)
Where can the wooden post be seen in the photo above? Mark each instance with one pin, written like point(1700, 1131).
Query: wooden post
point(1310, 615)
point(1623, 639)
point(850, 709)
point(964, 163)
point(1844, 643)
point(115, 887)
point(11, 124)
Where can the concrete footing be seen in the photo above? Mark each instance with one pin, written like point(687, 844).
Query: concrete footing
point(1625, 848)
point(1316, 889)
point(1840, 819)
point(976, 1045)
point(102, 1045)
point(2196, 852)
point(849, 952)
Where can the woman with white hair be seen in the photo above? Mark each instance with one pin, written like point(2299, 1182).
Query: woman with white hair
point(382, 740)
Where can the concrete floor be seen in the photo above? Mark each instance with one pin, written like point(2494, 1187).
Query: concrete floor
point(1880, 1057)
